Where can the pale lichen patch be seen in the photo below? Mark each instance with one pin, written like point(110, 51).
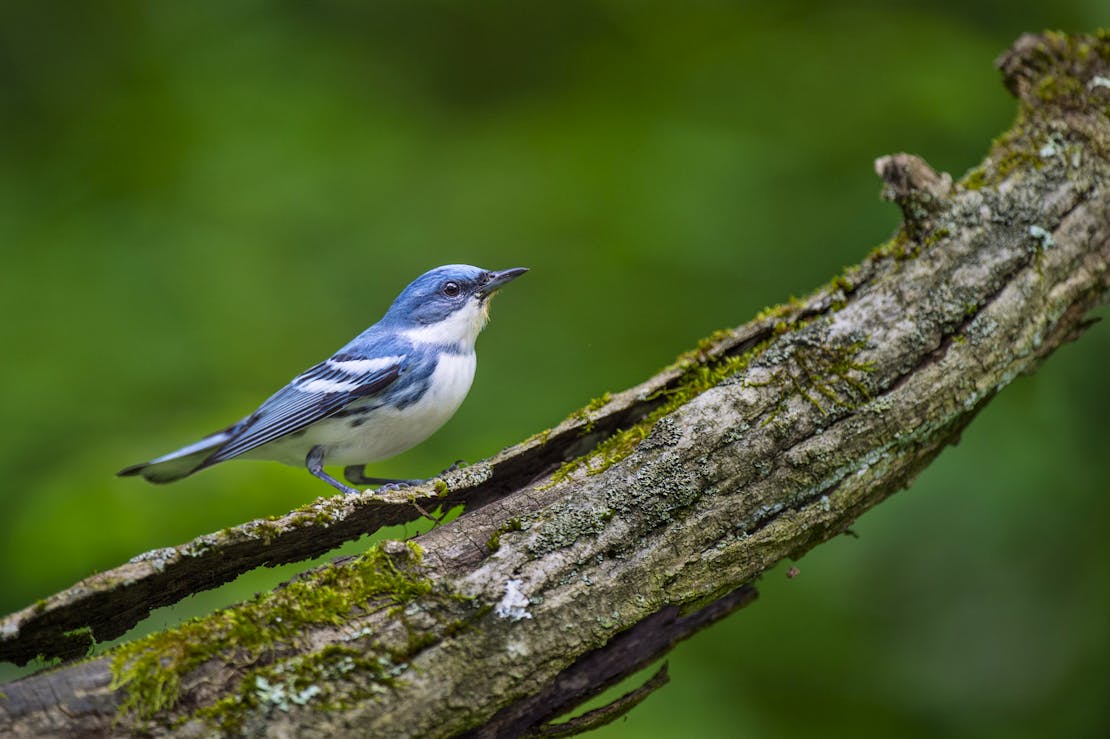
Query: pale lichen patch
point(514, 603)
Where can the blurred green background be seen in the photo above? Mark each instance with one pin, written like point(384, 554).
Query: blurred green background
point(199, 200)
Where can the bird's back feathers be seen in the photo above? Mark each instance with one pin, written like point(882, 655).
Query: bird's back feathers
point(312, 396)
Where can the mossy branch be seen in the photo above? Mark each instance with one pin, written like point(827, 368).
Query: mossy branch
point(588, 550)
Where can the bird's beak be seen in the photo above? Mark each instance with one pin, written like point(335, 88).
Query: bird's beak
point(497, 279)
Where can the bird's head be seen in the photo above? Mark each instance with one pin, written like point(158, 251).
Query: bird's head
point(448, 305)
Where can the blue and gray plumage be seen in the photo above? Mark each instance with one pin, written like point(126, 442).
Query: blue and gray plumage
point(384, 392)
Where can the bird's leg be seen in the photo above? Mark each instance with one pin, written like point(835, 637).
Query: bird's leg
point(356, 475)
point(315, 464)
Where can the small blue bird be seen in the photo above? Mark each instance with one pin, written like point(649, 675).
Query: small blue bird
point(386, 391)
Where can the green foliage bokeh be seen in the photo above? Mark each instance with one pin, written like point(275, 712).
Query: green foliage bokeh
point(199, 200)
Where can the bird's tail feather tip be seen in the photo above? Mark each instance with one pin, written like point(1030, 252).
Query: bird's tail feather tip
point(157, 473)
point(168, 468)
point(177, 464)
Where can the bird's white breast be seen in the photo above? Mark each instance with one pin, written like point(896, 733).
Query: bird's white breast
point(387, 430)
point(450, 382)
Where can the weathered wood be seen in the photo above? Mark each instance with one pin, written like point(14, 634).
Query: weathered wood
point(766, 441)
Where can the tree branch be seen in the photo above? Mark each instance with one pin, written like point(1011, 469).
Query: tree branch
point(589, 550)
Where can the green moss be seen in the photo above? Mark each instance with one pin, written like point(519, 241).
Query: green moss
point(840, 282)
point(905, 245)
point(1002, 164)
point(1102, 39)
point(81, 635)
point(226, 714)
point(696, 379)
point(320, 512)
point(898, 247)
point(936, 235)
point(702, 352)
point(541, 437)
point(696, 356)
point(583, 414)
point(1064, 62)
point(331, 679)
point(598, 403)
point(1017, 159)
point(782, 310)
point(824, 375)
point(334, 678)
point(841, 287)
point(1051, 88)
point(494, 541)
point(702, 372)
point(1020, 148)
point(150, 670)
point(976, 179)
point(266, 530)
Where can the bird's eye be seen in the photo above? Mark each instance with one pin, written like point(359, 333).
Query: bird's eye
point(451, 289)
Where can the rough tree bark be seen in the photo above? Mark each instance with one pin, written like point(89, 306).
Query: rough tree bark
point(587, 551)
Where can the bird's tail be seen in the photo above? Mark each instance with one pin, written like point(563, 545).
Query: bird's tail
point(181, 463)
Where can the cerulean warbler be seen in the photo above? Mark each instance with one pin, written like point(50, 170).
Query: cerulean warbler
point(387, 390)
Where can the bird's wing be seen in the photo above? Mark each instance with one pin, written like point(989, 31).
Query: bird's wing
point(314, 394)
